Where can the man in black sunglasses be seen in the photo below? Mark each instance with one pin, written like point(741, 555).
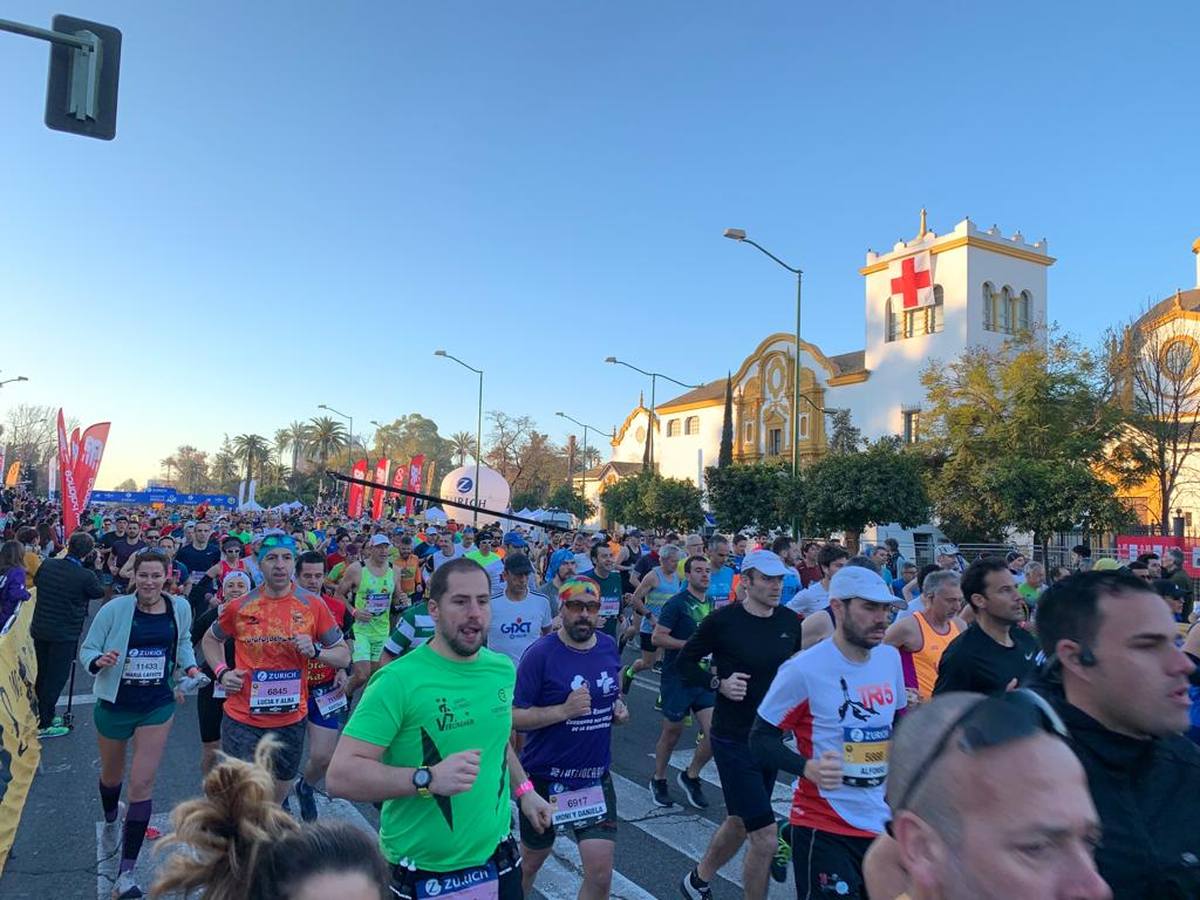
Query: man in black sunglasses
point(960, 829)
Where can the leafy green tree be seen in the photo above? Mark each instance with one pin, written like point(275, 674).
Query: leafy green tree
point(762, 495)
point(567, 497)
point(851, 491)
point(992, 409)
point(725, 454)
point(414, 435)
point(527, 500)
point(651, 501)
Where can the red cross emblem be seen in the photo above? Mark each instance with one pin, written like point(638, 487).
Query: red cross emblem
point(910, 282)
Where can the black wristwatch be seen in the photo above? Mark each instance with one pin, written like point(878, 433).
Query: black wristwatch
point(421, 780)
point(715, 683)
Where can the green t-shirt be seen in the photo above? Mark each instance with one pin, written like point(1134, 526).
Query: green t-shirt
point(1030, 594)
point(421, 709)
point(611, 597)
point(414, 629)
point(374, 594)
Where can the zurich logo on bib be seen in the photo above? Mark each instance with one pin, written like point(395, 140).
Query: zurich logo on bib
point(433, 887)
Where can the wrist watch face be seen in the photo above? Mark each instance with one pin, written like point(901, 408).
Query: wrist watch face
point(715, 683)
point(421, 778)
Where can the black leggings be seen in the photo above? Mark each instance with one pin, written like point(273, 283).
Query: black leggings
point(209, 712)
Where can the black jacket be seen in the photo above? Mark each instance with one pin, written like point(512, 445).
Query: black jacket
point(64, 588)
point(1145, 793)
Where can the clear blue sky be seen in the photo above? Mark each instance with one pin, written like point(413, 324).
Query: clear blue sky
point(305, 200)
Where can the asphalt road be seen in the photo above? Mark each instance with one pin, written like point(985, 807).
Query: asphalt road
point(57, 853)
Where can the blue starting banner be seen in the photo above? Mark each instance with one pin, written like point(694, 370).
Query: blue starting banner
point(167, 496)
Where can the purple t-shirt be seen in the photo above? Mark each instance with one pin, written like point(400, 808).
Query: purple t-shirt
point(577, 751)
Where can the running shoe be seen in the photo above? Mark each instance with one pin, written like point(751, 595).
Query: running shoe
point(308, 801)
point(152, 833)
point(626, 680)
point(54, 731)
point(690, 890)
point(110, 833)
point(126, 887)
point(658, 789)
point(782, 860)
point(692, 790)
point(58, 720)
point(658, 667)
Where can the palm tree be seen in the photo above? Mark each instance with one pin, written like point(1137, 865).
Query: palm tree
point(250, 449)
point(326, 438)
point(463, 443)
point(591, 457)
point(299, 434)
point(168, 465)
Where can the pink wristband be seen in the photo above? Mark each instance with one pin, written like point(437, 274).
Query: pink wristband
point(221, 667)
point(524, 788)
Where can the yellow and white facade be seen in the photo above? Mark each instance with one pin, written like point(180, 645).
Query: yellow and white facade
point(985, 287)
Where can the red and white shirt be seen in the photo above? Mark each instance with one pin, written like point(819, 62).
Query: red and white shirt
point(830, 702)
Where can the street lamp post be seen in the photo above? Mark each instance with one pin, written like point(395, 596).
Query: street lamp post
point(11, 380)
point(738, 234)
point(349, 419)
point(586, 427)
point(654, 376)
point(478, 429)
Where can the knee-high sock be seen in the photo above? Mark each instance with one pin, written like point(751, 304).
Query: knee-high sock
point(109, 797)
point(136, 821)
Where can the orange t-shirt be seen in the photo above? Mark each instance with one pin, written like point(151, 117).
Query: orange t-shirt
point(933, 645)
point(275, 690)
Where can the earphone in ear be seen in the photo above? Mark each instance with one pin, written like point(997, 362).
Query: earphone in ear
point(1086, 657)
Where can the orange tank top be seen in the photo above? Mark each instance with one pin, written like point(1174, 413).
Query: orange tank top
point(925, 660)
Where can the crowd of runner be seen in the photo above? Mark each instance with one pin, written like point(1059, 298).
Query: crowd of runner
point(991, 729)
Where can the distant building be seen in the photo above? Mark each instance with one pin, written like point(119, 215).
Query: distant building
point(930, 297)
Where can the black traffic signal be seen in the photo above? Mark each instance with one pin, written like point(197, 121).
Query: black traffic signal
point(81, 90)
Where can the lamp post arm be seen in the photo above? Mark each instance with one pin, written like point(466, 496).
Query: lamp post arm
point(764, 250)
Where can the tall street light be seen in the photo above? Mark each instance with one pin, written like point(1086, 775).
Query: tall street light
point(738, 234)
point(11, 380)
point(586, 427)
point(654, 376)
point(349, 419)
point(478, 428)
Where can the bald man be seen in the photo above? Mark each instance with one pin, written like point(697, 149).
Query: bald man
point(988, 802)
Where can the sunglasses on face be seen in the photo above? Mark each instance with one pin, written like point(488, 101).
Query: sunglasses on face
point(993, 722)
point(578, 606)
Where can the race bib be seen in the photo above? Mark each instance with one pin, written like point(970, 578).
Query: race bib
point(585, 805)
point(275, 691)
point(330, 699)
point(610, 606)
point(145, 665)
point(378, 603)
point(479, 883)
point(865, 755)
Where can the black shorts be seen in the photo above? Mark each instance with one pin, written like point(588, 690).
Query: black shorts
point(506, 859)
point(239, 740)
point(829, 864)
point(679, 699)
point(646, 643)
point(604, 830)
point(746, 786)
point(209, 711)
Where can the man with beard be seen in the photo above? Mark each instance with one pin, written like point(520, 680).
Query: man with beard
point(839, 699)
point(567, 699)
point(994, 654)
point(429, 739)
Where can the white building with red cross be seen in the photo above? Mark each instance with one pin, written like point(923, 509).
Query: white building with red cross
point(927, 298)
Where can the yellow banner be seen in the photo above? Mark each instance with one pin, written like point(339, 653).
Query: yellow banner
point(20, 749)
point(14, 472)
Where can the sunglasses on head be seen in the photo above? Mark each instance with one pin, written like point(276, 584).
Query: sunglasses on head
point(992, 722)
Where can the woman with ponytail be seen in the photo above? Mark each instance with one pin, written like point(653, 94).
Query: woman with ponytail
point(237, 843)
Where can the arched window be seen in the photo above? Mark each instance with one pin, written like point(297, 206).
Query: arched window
point(691, 425)
point(989, 306)
point(1005, 318)
point(672, 427)
point(1020, 313)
